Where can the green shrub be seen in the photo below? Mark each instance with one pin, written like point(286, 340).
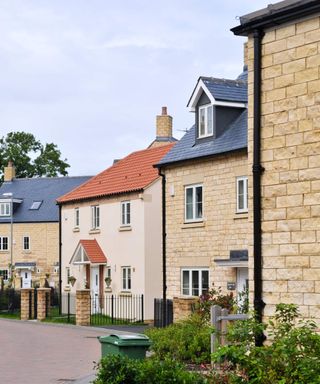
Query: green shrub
point(116, 369)
point(186, 341)
point(291, 357)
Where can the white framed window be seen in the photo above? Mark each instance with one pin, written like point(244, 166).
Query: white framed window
point(125, 213)
point(4, 273)
point(194, 281)
point(4, 243)
point(193, 202)
point(26, 243)
point(76, 217)
point(205, 121)
point(108, 272)
point(5, 209)
point(242, 194)
point(126, 278)
point(95, 217)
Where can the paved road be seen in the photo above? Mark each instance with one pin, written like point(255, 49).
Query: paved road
point(38, 353)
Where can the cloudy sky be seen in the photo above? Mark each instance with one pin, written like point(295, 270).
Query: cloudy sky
point(91, 75)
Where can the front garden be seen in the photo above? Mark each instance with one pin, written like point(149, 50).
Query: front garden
point(181, 353)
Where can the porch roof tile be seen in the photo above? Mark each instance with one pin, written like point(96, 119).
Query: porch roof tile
point(93, 251)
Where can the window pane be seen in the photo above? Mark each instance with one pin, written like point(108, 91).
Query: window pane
point(128, 213)
point(123, 220)
point(124, 278)
point(198, 202)
point(5, 243)
point(240, 194)
point(189, 203)
point(185, 283)
point(202, 124)
point(210, 120)
point(205, 281)
point(195, 283)
point(129, 279)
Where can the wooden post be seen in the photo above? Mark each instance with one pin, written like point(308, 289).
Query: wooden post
point(215, 313)
point(224, 324)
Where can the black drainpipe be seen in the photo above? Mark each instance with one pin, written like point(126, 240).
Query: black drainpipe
point(60, 263)
point(257, 170)
point(164, 262)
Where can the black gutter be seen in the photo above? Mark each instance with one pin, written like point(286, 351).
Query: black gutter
point(257, 170)
point(164, 250)
point(274, 16)
point(60, 263)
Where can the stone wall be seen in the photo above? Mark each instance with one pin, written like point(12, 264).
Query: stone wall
point(291, 158)
point(83, 307)
point(44, 247)
point(183, 307)
point(222, 229)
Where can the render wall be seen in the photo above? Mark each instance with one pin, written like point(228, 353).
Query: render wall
point(137, 246)
point(291, 158)
point(222, 229)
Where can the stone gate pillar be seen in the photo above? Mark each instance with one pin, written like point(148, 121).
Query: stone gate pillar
point(26, 310)
point(42, 302)
point(83, 307)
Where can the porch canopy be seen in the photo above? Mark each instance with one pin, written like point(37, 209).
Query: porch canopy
point(88, 252)
point(238, 259)
point(25, 266)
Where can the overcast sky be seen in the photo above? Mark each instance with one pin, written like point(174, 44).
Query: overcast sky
point(91, 75)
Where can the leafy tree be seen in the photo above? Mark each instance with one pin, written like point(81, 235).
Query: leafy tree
point(30, 157)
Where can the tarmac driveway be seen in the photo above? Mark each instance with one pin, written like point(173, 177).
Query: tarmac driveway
point(38, 353)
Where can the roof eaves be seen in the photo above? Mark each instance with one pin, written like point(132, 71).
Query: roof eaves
point(201, 157)
point(276, 14)
point(100, 196)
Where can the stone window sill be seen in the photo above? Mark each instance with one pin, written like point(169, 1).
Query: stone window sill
point(125, 293)
point(94, 231)
point(4, 251)
point(241, 215)
point(26, 251)
point(193, 224)
point(76, 229)
point(125, 228)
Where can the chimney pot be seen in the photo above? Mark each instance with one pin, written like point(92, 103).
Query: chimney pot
point(164, 111)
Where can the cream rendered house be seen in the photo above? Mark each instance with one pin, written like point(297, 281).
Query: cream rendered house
point(111, 226)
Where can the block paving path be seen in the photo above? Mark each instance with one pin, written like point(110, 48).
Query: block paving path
point(41, 353)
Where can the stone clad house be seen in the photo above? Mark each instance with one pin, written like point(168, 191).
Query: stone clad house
point(33, 249)
point(284, 153)
point(206, 176)
point(111, 226)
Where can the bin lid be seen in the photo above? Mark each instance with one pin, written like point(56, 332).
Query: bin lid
point(126, 339)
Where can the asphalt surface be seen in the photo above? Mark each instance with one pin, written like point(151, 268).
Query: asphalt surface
point(41, 353)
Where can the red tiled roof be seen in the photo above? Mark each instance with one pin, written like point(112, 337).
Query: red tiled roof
point(93, 251)
point(133, 173)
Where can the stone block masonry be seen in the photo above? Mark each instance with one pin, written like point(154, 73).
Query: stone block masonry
point(27, 300)
point(290, 142)
point(83, 307)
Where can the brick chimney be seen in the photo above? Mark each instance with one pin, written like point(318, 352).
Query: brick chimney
point(164, 124)
point(9, 171)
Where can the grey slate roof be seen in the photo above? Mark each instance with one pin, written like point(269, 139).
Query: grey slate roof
point(227, 90)
point(45, 189)
point(234, 138)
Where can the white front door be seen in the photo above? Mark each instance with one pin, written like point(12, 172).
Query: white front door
point(242, 286)
point(94, 282)
point(26, 279)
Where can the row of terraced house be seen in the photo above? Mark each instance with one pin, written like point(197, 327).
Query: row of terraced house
point(234, 203)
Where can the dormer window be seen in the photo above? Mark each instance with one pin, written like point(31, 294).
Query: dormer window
point(205, 122)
